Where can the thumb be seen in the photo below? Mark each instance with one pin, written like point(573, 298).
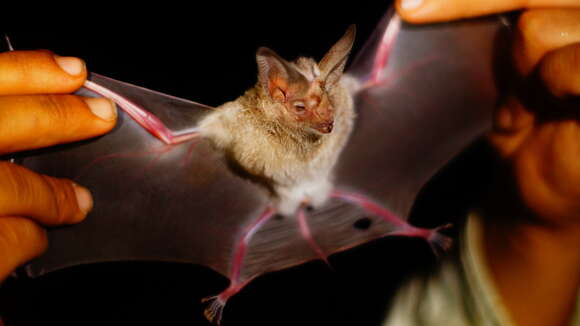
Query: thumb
point(21, 240)
point(425, 11)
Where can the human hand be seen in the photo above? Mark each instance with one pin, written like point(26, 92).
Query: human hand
point(29, 120)
point(535, 128)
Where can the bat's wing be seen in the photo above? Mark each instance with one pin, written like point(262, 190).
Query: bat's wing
point(180, 203)
point(153, 201)
point(423, 94)
point(426, 93)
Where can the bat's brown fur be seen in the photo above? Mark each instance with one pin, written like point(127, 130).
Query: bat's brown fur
point(293, 152)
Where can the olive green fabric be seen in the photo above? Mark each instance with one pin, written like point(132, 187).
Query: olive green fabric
point(461, 292)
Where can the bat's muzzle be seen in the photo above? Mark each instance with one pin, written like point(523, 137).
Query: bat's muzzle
point(325, 127)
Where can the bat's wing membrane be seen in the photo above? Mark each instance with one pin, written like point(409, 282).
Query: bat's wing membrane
point(427, 92)
point(153, 201)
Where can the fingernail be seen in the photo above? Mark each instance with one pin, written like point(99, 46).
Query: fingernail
point(411, 4)
point(71, 65)
point(84, 198)
point(103, 108)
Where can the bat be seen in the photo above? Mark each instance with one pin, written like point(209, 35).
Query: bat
point(183, 201)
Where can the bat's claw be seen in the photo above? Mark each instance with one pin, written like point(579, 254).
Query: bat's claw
point(439, 242)
point(214, 310)
point(215, 304)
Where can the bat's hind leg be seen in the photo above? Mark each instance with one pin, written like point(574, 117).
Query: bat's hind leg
point(307, 235)
point(216, 304)
point(439, 242)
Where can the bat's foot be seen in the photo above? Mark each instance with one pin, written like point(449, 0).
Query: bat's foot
point(215, 304)
point(307, 235)
point(440, 243)
point(214, 310)
point(371, 207)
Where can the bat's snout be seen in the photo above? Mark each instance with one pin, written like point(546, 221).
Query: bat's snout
point(325, 127)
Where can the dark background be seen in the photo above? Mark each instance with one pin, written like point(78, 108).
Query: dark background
point(210, 59)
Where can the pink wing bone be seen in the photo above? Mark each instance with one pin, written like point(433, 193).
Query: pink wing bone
point(383, 52)
point(438, 242)
point(385, 48)
point(143, 117)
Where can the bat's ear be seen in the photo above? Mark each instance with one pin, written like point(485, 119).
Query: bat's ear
point(332, 65)
point(274, 73)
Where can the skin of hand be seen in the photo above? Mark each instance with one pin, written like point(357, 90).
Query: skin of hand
point(532, 246)
point(35, 112)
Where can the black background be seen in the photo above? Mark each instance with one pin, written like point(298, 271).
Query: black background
point(210, 59)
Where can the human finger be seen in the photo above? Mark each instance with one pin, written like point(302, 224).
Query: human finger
point(47, 200)
point(40, 72)
point(541, 31)
point(35, 121)
point(560, 71)
point(21, 240)
point(426, 11)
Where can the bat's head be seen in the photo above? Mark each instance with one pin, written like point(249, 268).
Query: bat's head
point(300, 89)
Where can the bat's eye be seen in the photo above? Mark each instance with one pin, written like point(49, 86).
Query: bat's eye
point(299, 106)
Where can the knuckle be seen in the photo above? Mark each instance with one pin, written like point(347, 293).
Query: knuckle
point(530, 26)
point(560, 70)
point(575, 53)
point(14, 183)
point(25, 63)
point(575, 69)
point(9, 236)
point(31, 190)
point(19, 62)
point(63, 200)
point(60, 109)
point(38, 195)
point(22, 234)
